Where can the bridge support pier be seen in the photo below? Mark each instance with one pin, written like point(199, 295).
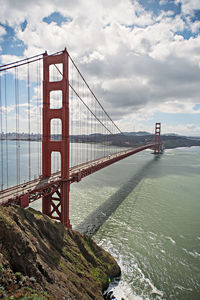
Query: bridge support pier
point(56, 205)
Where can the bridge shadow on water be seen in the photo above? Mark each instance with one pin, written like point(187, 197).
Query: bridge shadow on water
point(96, 219)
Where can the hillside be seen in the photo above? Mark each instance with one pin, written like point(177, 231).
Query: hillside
point(179, 141)
point(132, 139)
point(42, 259)
point(139, 139)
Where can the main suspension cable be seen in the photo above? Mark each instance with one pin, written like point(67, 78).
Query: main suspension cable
point(25, 61)
point(21, 60)
point(77, 94)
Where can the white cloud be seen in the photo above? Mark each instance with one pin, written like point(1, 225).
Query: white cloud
point(2, 31)
point(188, 129)
point(188, 6)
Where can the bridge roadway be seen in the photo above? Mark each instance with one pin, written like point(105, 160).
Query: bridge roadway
point(36, 188)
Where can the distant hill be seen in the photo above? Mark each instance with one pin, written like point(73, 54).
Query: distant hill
point(179, 141)
point(132, 139)
point(138, 133)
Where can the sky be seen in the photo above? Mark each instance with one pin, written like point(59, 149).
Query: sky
point(140, 57)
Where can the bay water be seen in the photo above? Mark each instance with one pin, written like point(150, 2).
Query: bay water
point(145, 210)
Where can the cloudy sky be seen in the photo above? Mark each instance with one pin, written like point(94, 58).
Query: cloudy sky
point(141, 57)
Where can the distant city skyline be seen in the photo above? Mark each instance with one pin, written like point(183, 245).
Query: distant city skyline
point(25, 135)
point(140, 57)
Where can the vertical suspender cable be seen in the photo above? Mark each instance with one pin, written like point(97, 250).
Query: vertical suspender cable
point(87, 125)
point(59, 128)
point(1, 129)
point(84, 128)
point(71, 125)
point(58, 131)
point(38, 120)
point(88, 129)
point(79, 125)
point(82, 119)
point(71, 116)
point(6, 114)
point(53, 125)
point(91, 137)
point(83, 122)
point(18, 129)
point(103, 130)
point(29, 126)
point(95, 131)
point(80, 122)
point(97, 124)
point(97, 112)
point(106, 136)
point(17, 125)
point(103, 133)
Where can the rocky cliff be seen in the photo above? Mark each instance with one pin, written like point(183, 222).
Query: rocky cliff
point(40, 258)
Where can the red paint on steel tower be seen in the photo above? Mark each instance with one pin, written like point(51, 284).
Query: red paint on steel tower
point(157, 147)
point(56, 205)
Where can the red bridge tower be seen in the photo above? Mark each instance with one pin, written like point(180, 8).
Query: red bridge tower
point(56, 205)
point(157, 147)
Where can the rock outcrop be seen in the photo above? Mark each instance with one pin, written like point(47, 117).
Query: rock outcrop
point(41, 258)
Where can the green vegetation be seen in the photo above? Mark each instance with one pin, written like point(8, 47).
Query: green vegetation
point(29, 294)
point(18, 276)
point(36, 213)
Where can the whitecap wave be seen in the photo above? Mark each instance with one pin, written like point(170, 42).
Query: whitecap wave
point(171, 240)
point(194, 254)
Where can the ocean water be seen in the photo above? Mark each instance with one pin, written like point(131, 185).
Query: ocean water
point(145, 210)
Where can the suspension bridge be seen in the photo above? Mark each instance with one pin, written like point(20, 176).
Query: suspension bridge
point(54, 131)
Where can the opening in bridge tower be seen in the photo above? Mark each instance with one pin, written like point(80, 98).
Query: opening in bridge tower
point(56, 205)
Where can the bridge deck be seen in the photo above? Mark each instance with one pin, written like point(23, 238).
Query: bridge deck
point(42, 186)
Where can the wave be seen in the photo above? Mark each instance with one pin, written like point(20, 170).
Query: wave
point(194, 254)
point(170, 239)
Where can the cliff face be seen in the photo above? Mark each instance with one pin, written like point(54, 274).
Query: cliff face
point(40, 257)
